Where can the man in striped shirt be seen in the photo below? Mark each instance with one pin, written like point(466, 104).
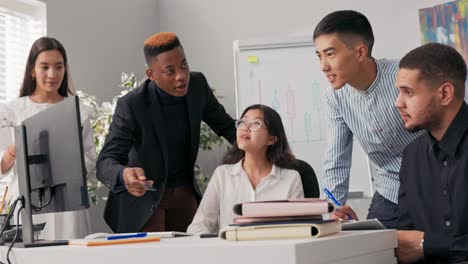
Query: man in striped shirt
point(360, 105)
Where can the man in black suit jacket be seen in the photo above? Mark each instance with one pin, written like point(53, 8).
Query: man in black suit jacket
point(148, 158)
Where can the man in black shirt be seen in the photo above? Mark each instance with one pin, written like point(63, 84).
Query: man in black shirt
point(433, 201)
point(148, 158)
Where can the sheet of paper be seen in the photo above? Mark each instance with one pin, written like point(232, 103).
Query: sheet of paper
point(369, 224)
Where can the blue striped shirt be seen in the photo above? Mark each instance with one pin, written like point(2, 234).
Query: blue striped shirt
point(370, 116)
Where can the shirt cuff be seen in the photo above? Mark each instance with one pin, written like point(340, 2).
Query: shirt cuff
point(119, 185)
point(436, 245)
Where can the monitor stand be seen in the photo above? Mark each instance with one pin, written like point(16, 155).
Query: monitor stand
point(9, 235)
point(27, 232)
point(41, 243)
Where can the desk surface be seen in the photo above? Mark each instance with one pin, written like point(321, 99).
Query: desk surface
point(344, 247)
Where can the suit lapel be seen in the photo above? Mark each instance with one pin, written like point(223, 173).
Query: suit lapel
point(193, 117)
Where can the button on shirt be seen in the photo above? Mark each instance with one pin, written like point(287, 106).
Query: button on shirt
point(372, 119)
point(230, 185)
point(433, 194)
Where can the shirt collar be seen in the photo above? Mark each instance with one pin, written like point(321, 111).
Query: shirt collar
point(432, 141)
point(454, 134)
point(238, 170)
point(376, 81)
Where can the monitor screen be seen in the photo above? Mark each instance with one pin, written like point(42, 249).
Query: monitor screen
point(53, 152)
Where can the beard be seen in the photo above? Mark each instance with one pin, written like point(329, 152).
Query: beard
point(429, 119)
point(414, 129)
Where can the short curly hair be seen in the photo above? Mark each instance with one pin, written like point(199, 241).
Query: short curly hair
point(159, 43)
point(437, 64)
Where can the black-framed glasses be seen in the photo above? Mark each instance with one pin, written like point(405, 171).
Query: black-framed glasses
point(253, 125)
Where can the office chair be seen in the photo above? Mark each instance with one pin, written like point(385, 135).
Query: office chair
point(309, 179)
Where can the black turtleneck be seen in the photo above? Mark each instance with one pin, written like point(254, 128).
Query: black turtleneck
point(175, 114)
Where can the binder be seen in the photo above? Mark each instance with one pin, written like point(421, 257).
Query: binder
point(281, 231)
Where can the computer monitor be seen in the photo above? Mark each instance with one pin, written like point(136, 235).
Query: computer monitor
point(50, 165)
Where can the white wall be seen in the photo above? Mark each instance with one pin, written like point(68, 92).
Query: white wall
point(105, 37)
point(207, 28)
point(102, 39)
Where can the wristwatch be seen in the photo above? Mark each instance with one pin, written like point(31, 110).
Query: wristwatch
point(422, 244)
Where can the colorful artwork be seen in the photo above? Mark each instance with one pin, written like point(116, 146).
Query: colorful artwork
point(446, 24)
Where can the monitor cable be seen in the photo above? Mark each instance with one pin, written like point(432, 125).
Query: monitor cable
point(16, 234)
point(41, 196)
point(10, 213)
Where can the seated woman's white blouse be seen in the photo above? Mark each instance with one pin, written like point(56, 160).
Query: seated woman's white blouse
point(230, 185)
point(63, 225)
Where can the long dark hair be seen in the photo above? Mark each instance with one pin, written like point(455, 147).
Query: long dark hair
point(278, 153)
point(43, 44)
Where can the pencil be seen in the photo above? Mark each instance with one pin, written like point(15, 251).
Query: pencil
point(3, 199)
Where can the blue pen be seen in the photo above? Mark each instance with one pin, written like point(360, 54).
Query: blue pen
point(127, 236)
point(330, 195)
point(335, 201)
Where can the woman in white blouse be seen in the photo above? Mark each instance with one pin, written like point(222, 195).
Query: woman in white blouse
point(46, 82)
point(256, 169)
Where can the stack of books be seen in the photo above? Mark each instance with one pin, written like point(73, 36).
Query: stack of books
point(281, 219)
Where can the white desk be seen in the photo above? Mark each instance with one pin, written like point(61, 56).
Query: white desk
point(343, 248)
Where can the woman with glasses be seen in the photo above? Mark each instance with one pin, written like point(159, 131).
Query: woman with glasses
point(257, 168)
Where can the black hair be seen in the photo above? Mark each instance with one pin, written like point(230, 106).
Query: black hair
point(348, 24)
point(278, 153)
point(159, 43)
point(43, 44)
point(438, 63)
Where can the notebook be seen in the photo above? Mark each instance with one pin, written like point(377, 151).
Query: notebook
point(307, 221)
point(251, 220)
point(166, 234)
point(369, 224)
point(292, 207)
point(106, 242)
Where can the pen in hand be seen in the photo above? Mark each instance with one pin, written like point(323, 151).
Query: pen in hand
point(334, 200)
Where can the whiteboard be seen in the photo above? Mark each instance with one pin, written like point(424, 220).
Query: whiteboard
point(285, 75)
